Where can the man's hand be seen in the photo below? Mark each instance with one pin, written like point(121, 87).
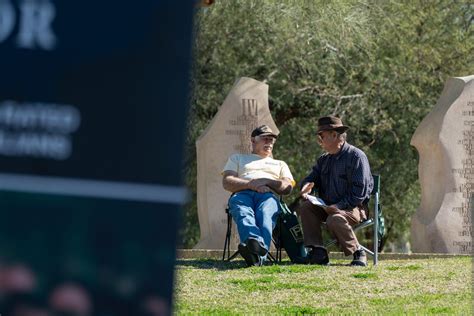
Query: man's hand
point(332, 209)
point(256, 185)
point(259, 185)
point(306, 189)
point(263, 189)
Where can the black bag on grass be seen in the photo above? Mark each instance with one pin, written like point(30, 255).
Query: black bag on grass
point(288, 235)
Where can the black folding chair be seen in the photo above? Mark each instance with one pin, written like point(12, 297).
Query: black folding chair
point(229, 234)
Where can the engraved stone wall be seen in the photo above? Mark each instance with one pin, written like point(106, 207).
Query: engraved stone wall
point(244, 109)
point(444, 140)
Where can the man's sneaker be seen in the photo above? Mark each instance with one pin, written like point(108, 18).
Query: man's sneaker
point(360, 259)
point(318, 255)
point(255, 247)
point(250, 258)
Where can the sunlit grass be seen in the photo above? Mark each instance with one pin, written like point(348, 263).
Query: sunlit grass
point(422, 286)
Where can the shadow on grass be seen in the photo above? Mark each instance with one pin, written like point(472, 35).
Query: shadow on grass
point(211, 264)
point(222, 265)
point(239, 264)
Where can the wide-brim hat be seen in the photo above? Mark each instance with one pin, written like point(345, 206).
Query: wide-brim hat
point(331, 123)
point(263, 130)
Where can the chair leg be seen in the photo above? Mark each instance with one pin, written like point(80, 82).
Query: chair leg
point(278, 254)
point(225, 249)
point(271, 258)
point(367, 250)
point(233, 256)
point(280, 245)
point(227, 238)
point(277, 250)
point(376, 229)
point(280, 241)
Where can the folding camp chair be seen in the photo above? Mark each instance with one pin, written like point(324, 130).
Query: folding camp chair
point(374, 221)
point(228, 236)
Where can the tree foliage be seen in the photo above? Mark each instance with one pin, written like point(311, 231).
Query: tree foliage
point(379, 65)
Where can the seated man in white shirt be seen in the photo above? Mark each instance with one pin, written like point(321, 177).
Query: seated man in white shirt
point(255, 180)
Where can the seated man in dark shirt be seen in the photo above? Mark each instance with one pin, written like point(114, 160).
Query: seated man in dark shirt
point(344, 182)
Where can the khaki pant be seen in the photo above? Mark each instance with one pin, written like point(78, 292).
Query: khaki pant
point(340, 225)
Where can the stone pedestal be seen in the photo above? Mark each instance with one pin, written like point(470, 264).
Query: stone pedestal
point(244, 109)
point(445, 143)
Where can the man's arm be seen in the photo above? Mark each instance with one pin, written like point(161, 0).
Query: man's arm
point(313, 177)
point(310, 181)
point(361, 184)
point(281, 186)
point(231, 182)
point(306, 189)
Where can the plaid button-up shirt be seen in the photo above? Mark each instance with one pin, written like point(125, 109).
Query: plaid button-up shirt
point(343, 179)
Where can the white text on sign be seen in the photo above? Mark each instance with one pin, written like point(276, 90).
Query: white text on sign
point(34, 22)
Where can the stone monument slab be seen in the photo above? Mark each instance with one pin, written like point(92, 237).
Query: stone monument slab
point(445, 143)
point(244, 109)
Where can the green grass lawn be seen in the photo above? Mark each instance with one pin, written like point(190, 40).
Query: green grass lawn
point(421, 286)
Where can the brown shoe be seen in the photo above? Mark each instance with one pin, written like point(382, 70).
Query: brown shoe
point(360, 258)
point(318, 255)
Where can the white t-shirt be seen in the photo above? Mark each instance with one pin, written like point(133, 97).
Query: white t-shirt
point(252, 166)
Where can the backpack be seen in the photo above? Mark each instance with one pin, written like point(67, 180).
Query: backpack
point(288, 235)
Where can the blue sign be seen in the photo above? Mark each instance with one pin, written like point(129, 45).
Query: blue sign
point(93, 103)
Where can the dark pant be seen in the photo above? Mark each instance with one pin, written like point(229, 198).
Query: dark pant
point(340, 225)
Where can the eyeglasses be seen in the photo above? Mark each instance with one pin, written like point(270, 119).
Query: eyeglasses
point(322, 136)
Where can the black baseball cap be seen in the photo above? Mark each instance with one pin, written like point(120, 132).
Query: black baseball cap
point(263, 130)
